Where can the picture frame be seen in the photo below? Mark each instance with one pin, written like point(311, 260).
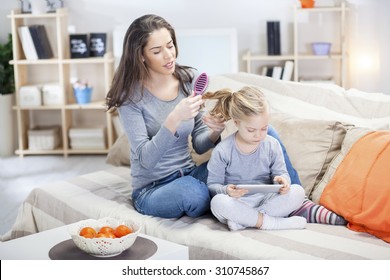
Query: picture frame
point(79, 45)
point(25, 6)
point(53, 5)
point(97, 44)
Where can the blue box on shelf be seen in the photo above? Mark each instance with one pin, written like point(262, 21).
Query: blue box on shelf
point(321, 48)
point(83, 95)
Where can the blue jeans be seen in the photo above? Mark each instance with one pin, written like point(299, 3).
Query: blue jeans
point(183, 193)
point(290, 169)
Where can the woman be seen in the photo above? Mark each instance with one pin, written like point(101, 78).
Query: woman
point(159, 112)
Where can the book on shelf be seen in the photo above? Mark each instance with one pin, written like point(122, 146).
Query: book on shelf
point(273, 38)
point(287, 70)
point(277, 72)
point(277, 38)
point(272, 71)
point(264, 70)
point(269, 71)
point(27, 43)
point(41, 41)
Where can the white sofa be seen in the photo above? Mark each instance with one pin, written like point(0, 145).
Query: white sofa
point(318, 124)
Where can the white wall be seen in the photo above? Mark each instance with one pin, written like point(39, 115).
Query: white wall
point(368, 26)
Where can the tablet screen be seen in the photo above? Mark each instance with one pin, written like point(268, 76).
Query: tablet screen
point(261, 188)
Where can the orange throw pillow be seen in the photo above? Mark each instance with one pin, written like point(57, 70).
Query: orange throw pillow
point(360, 188)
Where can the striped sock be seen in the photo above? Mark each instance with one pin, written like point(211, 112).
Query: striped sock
point(315, 213)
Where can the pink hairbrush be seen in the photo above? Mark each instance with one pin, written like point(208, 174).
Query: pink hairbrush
point(201, 84)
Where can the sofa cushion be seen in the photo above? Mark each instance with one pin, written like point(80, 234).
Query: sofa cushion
point(359, 189)
point(310, 144)
point(351, 137)
point(119, 153)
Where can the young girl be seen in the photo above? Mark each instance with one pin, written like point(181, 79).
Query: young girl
point(250, 156)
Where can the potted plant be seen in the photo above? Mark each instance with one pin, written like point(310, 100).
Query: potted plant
point(7, 87)
point(7, 82)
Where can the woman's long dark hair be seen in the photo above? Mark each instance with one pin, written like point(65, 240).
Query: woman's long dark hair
point(132, 72)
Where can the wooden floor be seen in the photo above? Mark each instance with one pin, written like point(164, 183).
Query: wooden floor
point(19, 175)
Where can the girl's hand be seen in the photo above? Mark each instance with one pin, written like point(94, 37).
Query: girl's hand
point(188, 108)
point(283, 181)
point(233, 191)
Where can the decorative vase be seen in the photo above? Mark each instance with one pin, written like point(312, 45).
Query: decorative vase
point(83, 95)
point(307, 3)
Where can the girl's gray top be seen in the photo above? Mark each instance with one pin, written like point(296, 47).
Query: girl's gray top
point(228, 165)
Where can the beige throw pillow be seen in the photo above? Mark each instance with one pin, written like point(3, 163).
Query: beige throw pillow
point(310, 144)
point(119, 153)
point(351, 137)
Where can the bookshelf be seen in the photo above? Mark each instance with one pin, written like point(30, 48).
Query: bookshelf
point(299, 56)
point(60, 68)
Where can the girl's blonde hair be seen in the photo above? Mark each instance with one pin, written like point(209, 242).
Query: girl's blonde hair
point(248, 101)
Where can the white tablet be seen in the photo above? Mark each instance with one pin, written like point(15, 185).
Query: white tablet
point(261, 188)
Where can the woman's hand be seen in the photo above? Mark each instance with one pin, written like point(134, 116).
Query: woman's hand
point(233, 191)
point(216, 124)
point(187, 109)
point(283, 181)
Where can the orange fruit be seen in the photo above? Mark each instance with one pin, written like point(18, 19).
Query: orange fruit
point(110, 235)
point(122, 230)
point(106, 235)
point(106, 229)
point(89, 235)
point(100, 234)
point(87, 231)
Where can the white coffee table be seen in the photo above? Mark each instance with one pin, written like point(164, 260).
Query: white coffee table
point(37, 246)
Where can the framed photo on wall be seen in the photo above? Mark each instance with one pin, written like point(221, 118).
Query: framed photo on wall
point(79, 47)
point(25, 7)
point(97, 44)
point(53, 5)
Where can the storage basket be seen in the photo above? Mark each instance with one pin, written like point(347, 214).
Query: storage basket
point(83, 95)
point(321, 48)
point(44, 138)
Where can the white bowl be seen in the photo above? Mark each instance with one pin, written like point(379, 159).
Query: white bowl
point(103, 247)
